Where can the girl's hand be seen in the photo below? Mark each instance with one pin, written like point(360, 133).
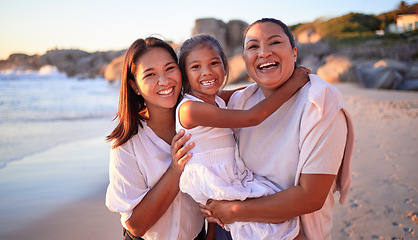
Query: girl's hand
point(300, 76)
point(307, 70)
point(298, 79)
point(180, 153)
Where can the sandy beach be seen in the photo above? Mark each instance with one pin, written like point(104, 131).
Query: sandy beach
point(59, 193)
point(383, 200)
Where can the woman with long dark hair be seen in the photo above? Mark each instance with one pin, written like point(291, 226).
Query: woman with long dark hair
point(147, 157)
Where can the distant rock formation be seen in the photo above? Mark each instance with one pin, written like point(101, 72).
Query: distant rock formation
point(114, 69)
point(229, 35)
point(389, 74)
point(338, 69)
point(79, 63)
point(73, 62)
point(20, 61)
point(372, 64)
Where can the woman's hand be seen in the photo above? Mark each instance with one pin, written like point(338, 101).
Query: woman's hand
point(208, 215)
point(180, 153)
point(219, 212)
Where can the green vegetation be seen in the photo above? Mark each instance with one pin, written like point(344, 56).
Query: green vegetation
point(355, 33)
point(350, 25)
point(355, 26)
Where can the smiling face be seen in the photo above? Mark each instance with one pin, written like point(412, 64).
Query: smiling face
point(158, 78)
point(269, 56)
point(205, 72)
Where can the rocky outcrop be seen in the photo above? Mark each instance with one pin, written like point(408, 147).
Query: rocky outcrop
point(20, 61)
point(65, 60)
point(72, 62)
point(410, 79)
point(381, 74)
point(213, 27)
point(114, 69)
point(380, 78)
point(409, 84)
point(228, 34)
point(79, 63)
point(234, 37)
point(237, 70)
point(389, 74)
point(377, 49)
point(312, 55)
point(339, 69)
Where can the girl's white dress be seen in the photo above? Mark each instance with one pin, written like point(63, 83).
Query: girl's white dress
point(216, 172)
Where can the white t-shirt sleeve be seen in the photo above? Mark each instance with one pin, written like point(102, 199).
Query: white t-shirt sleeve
point(127, 184)
point(324, 153)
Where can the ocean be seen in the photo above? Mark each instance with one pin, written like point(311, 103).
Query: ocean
point(42, 109)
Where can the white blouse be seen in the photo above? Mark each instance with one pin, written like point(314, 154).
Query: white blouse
point(136, 167)
point(306, 135)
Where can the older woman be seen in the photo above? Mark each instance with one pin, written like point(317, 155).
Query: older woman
point(310, 139)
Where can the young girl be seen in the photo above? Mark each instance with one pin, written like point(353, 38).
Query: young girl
point(215, 171)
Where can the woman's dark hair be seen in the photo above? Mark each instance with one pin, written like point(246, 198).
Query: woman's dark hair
point(132, 105)
point(190, 44)
point(278, 22)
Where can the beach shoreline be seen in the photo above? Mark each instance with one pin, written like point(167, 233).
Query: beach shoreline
point(51, 199)
point(58, 192)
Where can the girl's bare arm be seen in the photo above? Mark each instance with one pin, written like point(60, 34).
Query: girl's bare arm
point(194, 113)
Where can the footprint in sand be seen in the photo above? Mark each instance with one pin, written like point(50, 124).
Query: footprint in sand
point(354, 204)
point(405, 229)
point(408, 230)
point(413, 216)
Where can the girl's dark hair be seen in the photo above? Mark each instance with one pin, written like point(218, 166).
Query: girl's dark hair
point(131, 104)
point(190, 44)
point(278, 22)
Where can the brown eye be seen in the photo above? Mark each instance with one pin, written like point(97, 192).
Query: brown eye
point(253, 46)
point(149, 75)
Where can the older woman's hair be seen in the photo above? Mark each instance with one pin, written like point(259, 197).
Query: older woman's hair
point(190, 44)
point(131, 104)
point(278, 22)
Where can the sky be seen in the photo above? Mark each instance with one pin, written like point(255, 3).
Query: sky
point(34, 27)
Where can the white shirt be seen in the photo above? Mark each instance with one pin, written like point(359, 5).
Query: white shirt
point(306, 135)
point(135, 167)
